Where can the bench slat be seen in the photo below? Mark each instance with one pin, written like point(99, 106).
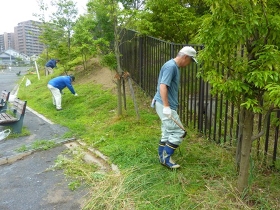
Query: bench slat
point(4, 118)
point(19, 106)
point(4, 99)
point(5, 95)
point(15, 120)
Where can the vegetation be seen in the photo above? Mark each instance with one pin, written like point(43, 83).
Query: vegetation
point(22, 148)
point(76, 169)
point(241, 36)
point(37, 145)
point(205, 181)
point(246, 44)
point(24, 132)
point(171, 20)
point(57, 33)
point(85, 46)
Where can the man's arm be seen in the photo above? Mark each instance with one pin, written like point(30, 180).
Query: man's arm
point(69, 86)
point(164, 94)
point(164, 97)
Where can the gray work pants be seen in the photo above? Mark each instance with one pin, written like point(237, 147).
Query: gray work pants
point(48, 71)
point(170, 131)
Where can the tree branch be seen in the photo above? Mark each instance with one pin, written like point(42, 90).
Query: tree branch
point(267, 24)
point(233, 9)
point(226, 66)
point(264, 125)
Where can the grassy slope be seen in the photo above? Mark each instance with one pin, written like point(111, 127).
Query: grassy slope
point(205, 181)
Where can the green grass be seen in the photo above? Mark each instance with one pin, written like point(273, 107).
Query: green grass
point(37, 145)
point(43, 144)
point(22, 148)
point(206, 180)
point(24, 132)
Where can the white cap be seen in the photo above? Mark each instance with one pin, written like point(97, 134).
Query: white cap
point(190, 51)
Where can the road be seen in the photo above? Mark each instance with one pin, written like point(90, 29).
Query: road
point(9, 78)
point(28, 184)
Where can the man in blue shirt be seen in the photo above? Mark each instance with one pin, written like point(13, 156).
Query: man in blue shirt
point(57, 84)
point(166, 103)
point(50, 65)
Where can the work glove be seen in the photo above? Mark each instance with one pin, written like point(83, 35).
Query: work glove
point(76, 94)
point(167, 111)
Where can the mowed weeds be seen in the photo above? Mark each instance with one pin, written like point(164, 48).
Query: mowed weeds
point(206, 179)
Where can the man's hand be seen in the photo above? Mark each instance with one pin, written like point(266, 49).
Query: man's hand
point(167, 111)
point(76, 94)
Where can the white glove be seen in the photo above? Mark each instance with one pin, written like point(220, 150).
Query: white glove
point(167, 111)
point(76, 94)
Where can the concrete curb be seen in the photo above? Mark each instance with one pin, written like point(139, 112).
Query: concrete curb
point(18, 156)
point(100, 155)
point(13, 158)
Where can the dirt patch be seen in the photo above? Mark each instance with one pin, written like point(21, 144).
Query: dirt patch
point(96, 74)
point(105, 77)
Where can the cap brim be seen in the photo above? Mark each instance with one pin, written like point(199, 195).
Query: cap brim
point(194, 59)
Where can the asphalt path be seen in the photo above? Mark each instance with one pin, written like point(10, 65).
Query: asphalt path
point(9, 78)
point(30, 183)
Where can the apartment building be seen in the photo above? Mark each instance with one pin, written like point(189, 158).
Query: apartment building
point(7, 41)
point(26, 38)
point(2, 46)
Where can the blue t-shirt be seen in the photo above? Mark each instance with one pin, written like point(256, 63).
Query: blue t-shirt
point(61, 82)
point(170, 76)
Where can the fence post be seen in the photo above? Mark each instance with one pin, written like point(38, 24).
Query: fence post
point(201, 101)
point(172, 50)
point(200, 104)
point(274, 156)
point(140, 43)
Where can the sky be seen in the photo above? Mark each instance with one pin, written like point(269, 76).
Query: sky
point(15, 11)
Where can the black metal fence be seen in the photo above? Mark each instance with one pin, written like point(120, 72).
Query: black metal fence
point(212, 115)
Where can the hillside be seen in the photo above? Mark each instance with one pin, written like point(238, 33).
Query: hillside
point(95, 74)
point(206, 179)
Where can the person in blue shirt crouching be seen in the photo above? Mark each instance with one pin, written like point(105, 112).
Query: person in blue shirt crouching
point(56, 85)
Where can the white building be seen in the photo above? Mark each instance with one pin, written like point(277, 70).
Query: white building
point(12, 57)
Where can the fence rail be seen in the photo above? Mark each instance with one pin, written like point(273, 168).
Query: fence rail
point(212, 115)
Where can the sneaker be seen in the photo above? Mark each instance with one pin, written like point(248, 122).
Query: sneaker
point(59, 109)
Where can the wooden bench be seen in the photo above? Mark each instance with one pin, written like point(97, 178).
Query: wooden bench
point(4, 100)
point(14, 119)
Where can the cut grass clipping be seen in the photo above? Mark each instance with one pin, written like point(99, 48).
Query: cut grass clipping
point(76, 169)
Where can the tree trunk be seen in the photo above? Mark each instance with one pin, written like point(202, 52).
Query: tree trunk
point(119, 70)
point(119, 88)
point(246, 145)
point(240, 137)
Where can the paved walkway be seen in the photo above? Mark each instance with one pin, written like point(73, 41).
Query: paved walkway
point(25, 181)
